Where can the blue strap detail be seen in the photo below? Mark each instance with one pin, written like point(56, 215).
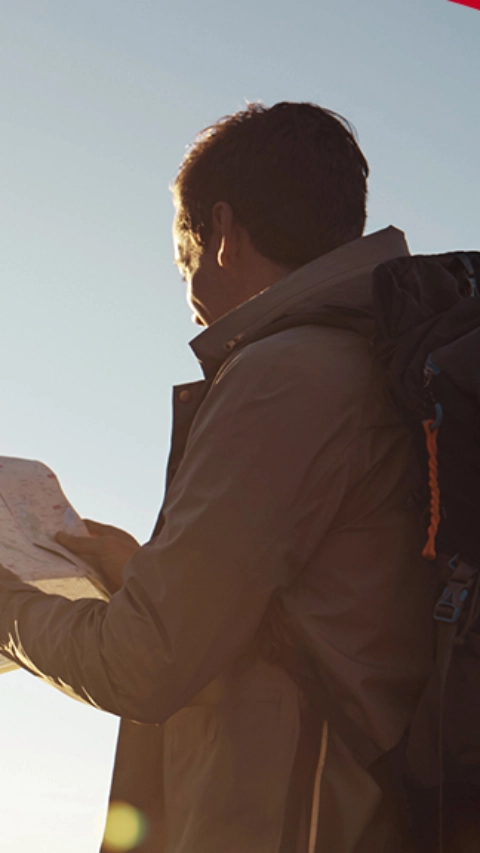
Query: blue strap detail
point(438, 417)
point(431, 367)
point(450, 604)
point(464, 257)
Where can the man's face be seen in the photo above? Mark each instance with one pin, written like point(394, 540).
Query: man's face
point(209, 289)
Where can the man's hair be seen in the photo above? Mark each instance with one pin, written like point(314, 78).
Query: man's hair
point(293, 174)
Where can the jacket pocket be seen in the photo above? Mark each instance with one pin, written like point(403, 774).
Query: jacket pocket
point(227, 769)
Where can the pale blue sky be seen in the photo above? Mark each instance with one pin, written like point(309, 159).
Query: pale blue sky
point(98, 99)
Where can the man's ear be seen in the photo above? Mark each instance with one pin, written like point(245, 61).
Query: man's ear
point(226, 232)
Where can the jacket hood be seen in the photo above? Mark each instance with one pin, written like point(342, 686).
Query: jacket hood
point(339, 280)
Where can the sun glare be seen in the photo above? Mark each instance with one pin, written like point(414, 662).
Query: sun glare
point(125, 829)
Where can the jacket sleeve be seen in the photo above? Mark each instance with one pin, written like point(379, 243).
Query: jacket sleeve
point(267, 456)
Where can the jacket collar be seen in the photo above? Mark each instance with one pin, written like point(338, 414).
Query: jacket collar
point(342, 278)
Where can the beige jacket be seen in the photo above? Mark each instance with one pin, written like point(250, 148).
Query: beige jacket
point(290, 476)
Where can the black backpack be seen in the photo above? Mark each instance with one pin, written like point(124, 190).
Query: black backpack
point(427, 313)
point(426, 316)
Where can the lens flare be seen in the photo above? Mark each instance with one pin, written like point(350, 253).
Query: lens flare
point(125, 829)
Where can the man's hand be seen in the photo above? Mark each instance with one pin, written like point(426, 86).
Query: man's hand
point(108, 550)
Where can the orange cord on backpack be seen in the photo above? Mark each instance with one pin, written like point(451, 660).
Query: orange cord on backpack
point(431, 435)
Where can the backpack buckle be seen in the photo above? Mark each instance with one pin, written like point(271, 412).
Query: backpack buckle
point(451, 602)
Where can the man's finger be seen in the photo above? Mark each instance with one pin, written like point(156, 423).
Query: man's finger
point(97, 529)
point(80, 544)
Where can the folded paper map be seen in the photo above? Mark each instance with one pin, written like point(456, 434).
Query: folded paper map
point(32, 509)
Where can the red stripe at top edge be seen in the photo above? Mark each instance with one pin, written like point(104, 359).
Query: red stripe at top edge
point(473, 4)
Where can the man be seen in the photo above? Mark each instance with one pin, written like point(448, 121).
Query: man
point(287, 522)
